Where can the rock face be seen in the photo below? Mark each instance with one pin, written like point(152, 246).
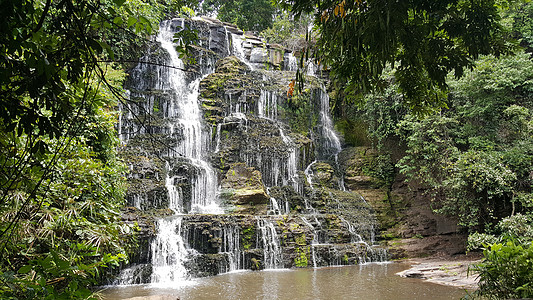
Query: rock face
point(252, 171)
point(244, 190)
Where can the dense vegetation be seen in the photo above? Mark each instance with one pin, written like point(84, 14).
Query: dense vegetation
point(61, 182)
point(474, 156)
point(443, 80)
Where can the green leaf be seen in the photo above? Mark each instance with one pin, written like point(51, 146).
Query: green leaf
point(25, 269)
point(119, 2)
point(131, 21)
point(118, 21)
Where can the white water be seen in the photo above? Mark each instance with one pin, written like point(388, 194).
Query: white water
point(332, 140)
point(292, 64)
point(238, 49)
point(231, 246)
point(267, 105)
point(309, 174)
point(185, 108)
point(168, 253)
point(168, 250)
point(271, 244)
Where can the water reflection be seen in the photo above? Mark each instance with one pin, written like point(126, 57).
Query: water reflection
point(372, 281)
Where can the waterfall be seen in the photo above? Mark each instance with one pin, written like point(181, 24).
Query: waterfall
point(267, 105)
point(272, 258)
point(291, 63)
point(309, 174)
point(331, 140)
point(185, 108)
point(168, 249)
point(184, 120)
point(231, 247)
point(174, 193)
point(245, 124)
point(168, 253)
point(238, 49)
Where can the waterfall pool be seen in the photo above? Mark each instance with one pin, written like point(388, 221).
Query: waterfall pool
point(369, 281)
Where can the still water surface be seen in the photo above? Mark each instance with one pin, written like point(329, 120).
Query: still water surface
point(371, 281)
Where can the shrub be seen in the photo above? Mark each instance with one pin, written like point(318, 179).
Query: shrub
point(506, 271)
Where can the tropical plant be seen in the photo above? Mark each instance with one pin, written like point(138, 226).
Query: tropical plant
point(252, 15)
point(423, 41)
point(506, 271)
point(61, 183)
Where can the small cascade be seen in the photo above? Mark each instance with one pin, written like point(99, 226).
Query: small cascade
point(311, 68)
point(331, 144)
point(291, 164)
point(217, 144)
point(278, 207)
point(174, 193)
point(291, 63)
point(309, 174)
point(267, 105)
point(168, 252)
point(269, 240)
point(226, 33)
point(267, 108)
point(231, 247)
point(354, 236)
point(238, 49)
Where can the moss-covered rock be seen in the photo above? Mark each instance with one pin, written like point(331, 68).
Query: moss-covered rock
point(243, 189)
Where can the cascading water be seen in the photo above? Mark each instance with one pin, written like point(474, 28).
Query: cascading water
point(270, 243)
point(267, 105)
point(168, 250)
point(291, 62)
point(168, 253)
point(331, 144)
point(186, 112)
point(197, 240)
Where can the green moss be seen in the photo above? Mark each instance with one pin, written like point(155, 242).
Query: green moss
point(300, 239)
point(302, 260)
point(247, 235)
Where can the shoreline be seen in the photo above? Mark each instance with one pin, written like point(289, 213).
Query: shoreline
point(450, 271)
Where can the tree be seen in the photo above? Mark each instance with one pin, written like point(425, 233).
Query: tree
point(61, 183)
point(422, 40)
point(253, 15)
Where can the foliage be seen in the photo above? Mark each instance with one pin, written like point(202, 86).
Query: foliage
point(299, 112)
point(518, 21)
point(478, 240)
point(478, 184)
point(506, 271)
point(61, 184)
point(288, 31)
point(518, 228)
point(69, 230)
point(476, 156)
point(254, 15)
point(423, 41)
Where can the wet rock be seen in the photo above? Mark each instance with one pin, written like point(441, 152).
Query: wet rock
point(259, 136)
point(244, 189)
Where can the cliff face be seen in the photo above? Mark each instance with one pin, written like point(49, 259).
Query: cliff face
point(247, 175)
